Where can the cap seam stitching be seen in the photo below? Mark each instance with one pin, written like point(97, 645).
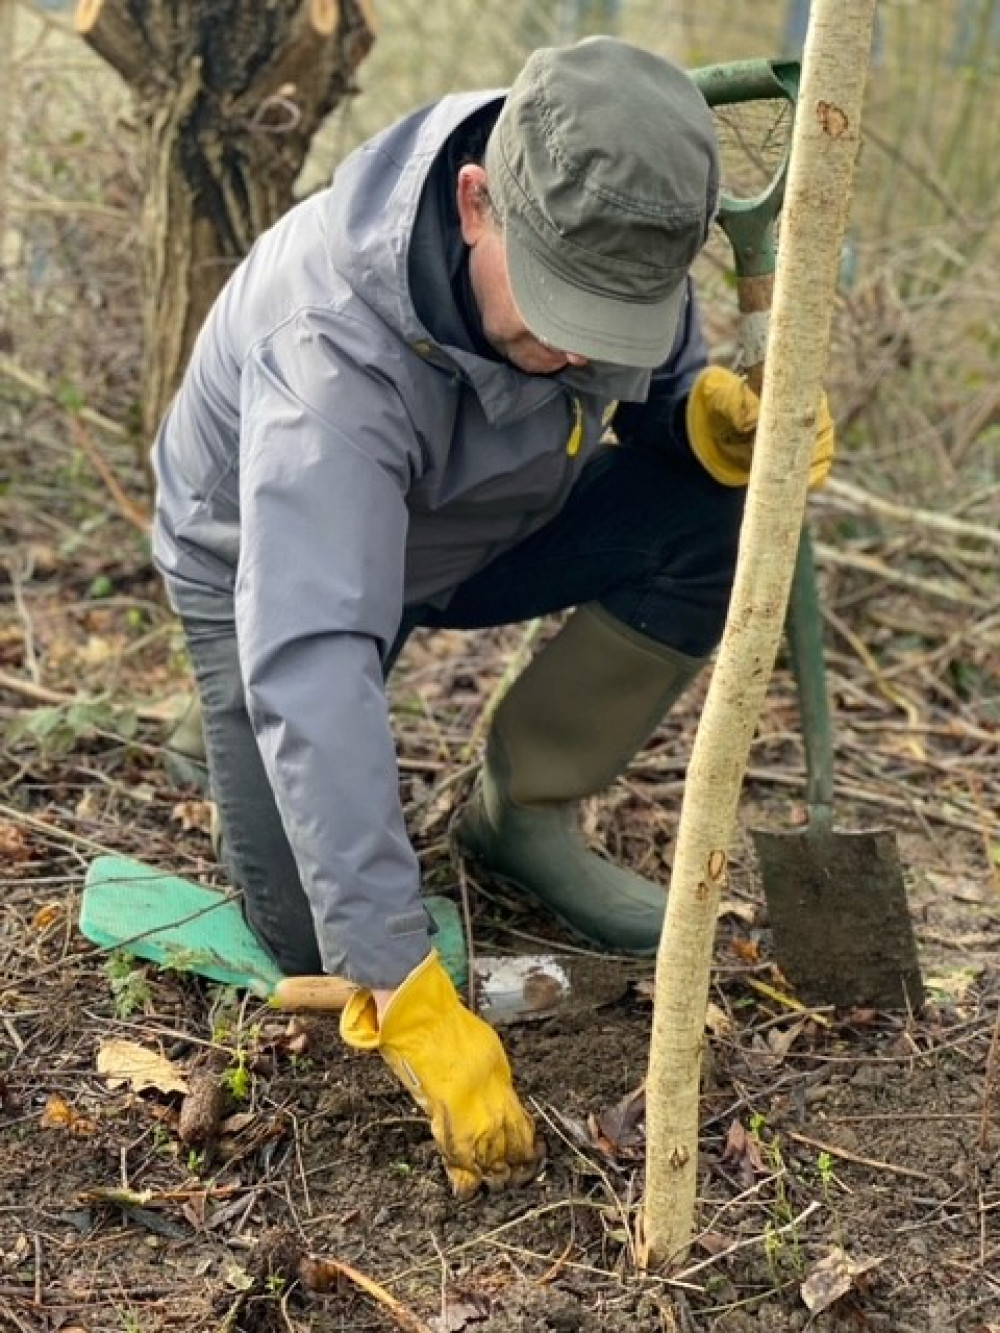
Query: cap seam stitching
point(629, 203)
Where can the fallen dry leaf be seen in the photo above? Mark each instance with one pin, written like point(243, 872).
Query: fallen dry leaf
point(965, 889)
point(747, 950)
point(745, 912)
point(21, 1249)
point(742, 1152)
point(780, 1042)
point(195, 1211)
point(89, 805)
point(127, 1062)
point(236, 1124)
point(48, 916)
point(620, 1131)
point(15, 847)
point(98, 650)
point(458, 1312)
point(717, 1021)
point(58, 1114)
point(953, 985)
point(712, 1242)
point(832, 1278)
point(297, 1038)
point(192, 815)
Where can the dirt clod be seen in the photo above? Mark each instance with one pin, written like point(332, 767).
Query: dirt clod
point(202, 1109)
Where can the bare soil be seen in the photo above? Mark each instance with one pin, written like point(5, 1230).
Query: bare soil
point(312, 1198)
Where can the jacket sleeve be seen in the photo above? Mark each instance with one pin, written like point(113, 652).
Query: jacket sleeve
point(659, 422)
point(325, 454)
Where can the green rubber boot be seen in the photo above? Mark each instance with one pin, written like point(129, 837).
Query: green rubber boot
point(568, 726)
point(184, 753)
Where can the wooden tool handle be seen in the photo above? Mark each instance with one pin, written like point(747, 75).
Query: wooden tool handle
point(313, 993)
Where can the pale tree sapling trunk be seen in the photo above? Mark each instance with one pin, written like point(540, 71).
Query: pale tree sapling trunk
point(825, 143)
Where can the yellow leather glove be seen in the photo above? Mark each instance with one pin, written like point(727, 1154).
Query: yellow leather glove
point(722, 416)
point(455, 1069)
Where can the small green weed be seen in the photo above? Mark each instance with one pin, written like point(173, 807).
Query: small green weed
point(58, 729)
point(238, 1080)
point(130, 986)
point(824, 1168)
point(163, 1141)
point(782, 1243)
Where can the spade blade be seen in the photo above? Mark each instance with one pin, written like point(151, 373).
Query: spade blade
point(838, 910)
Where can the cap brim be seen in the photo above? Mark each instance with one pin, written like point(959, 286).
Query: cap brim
point(588, 323)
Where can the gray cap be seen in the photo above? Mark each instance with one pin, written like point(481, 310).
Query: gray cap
point(603, 167)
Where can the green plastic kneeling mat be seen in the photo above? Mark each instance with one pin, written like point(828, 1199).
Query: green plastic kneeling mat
point(179, 924)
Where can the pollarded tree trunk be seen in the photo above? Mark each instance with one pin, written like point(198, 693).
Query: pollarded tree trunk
point(228, 95)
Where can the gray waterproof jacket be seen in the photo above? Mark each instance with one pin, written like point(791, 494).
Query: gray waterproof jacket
point(328, 461)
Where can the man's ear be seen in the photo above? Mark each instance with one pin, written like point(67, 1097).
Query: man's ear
point(474, 208)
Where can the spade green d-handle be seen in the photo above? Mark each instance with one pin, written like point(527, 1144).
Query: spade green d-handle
point(749, 222)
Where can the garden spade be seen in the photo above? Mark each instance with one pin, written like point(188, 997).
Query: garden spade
point(836, 900)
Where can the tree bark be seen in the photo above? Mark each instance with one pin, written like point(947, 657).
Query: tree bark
point(228, 95)
point(825, 141)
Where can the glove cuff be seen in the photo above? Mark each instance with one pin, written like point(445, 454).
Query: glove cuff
point(419, 998)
